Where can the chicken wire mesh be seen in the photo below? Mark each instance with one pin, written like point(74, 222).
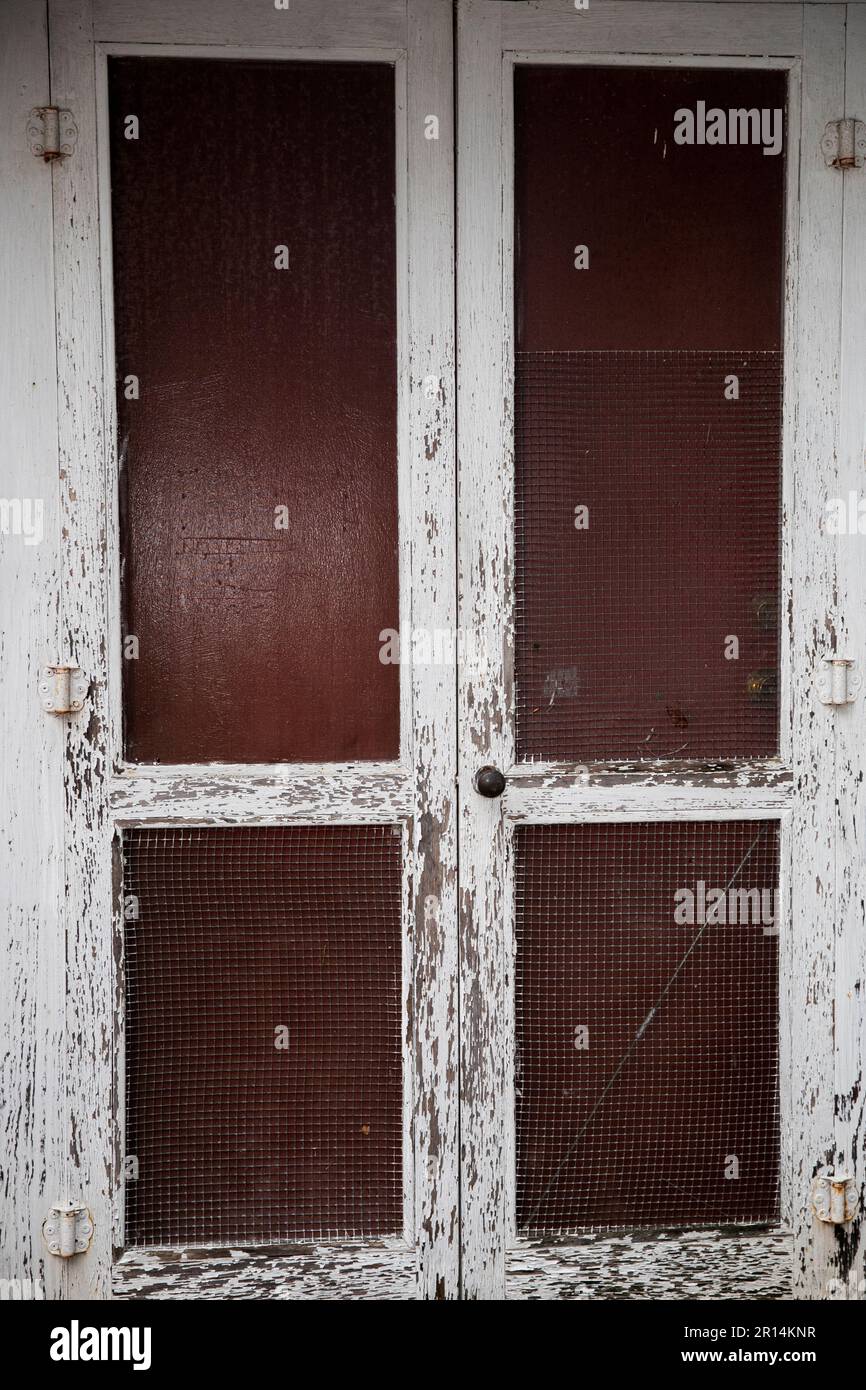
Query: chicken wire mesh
point(646, 997)
point(263, 1034)
point(647, 523)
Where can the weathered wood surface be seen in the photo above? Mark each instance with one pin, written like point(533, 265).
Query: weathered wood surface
point(59, 1138)
point(306, 23)
point(32, 1104)
point(810, 852)
point(92, 1014)
point(666, 1266)
point(677, 27)
point(346, 1273)
point(850, 984)
point(800, 791)
point(432, 564)
point(486, 693)
point(563, 804)
point(266, 796)
point(101, 793)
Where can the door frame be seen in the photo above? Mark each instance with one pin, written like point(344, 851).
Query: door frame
point(800, 1254)
point(104, 795)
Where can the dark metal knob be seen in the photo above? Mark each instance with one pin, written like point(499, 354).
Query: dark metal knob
point(489, 781)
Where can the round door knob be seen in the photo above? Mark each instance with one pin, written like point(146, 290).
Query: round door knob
point(489, 781)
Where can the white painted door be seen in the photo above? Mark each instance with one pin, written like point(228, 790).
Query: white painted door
point(542, 957)
point(656, 408)
point(161, 977)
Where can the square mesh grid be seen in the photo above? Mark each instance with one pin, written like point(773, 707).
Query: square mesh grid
point(647, 626)
point(263, 1034)
point(647, 1047)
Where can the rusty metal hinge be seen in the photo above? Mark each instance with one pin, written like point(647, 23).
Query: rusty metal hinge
point(68, 1229)
point(844, 144)
point(62, 689)
point(51, 132)
point(835, 1198)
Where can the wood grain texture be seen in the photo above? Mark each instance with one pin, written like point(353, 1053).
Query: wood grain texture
point(32, 984)
point(652, 28)
point(433, 925)
point(850, 1025)
point(91, 1016)
point(486, 697)
point(659, 1266)
point(306, 23)
point(808, 948)
point(671, 1266)
point(376, 1272)
point(576, 803)
point(325, 795)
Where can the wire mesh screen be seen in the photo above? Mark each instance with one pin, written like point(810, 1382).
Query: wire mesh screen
point(646, 1025)
point(647, 515)
point(263, 1036)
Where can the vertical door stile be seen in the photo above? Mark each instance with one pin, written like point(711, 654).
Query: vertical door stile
point(485, 580)
point(850, 1035)
point(431, 386)
point(808, 1008)
point(90, 1017)
point(32, 1154)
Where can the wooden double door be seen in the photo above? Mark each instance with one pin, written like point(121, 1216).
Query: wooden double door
point(458, 890)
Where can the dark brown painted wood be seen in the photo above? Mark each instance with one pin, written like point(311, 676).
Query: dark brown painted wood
point(259, 388)
point(685, 241)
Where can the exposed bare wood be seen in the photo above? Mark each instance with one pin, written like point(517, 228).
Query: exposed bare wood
point(658, 1266)
point(433, 568)
point(346, 1273)
point(268, 796)
point(850, 1025)
point(808, 949)
point(32, 1162)
point(532, 775)
point(484, 549)
point(569, 804)
point(90, 1014)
